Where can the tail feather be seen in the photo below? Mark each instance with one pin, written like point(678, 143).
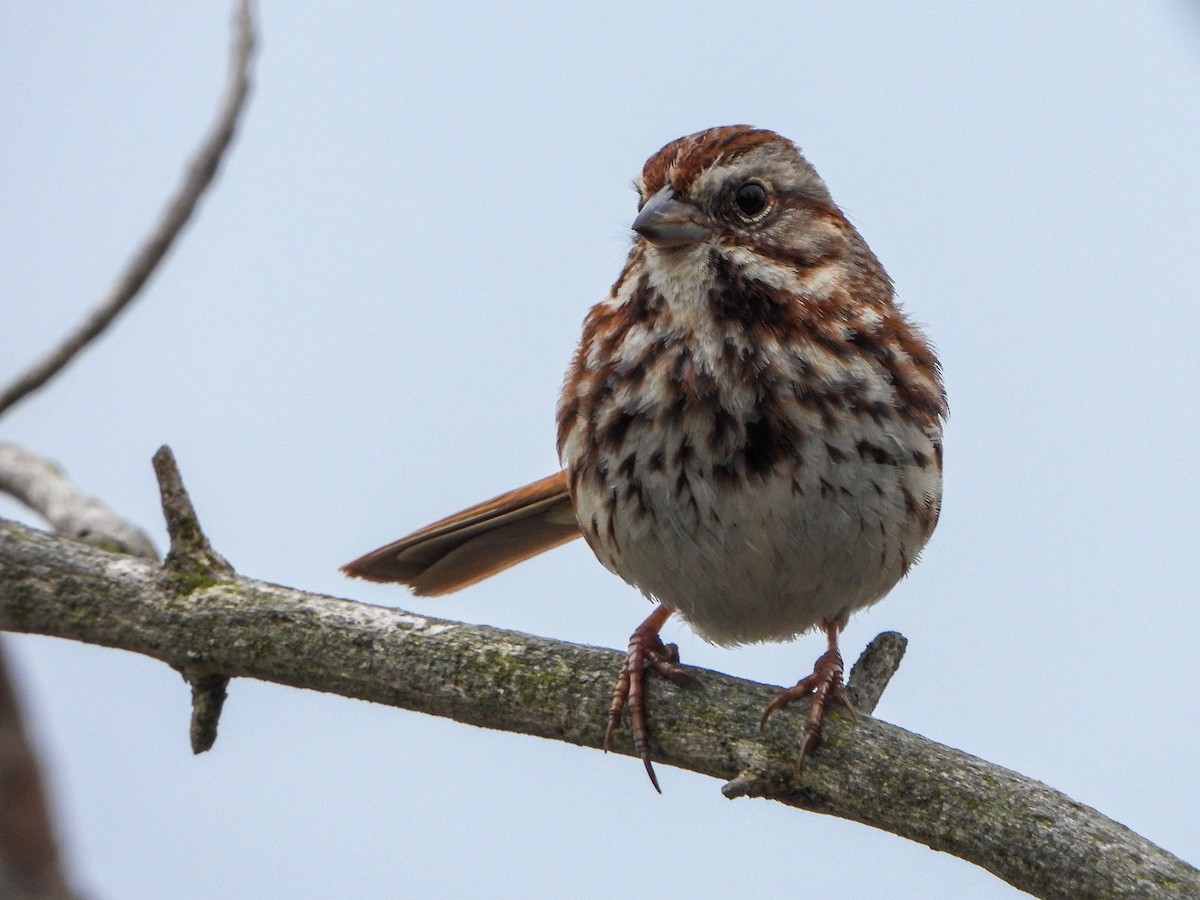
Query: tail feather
point(478, 542)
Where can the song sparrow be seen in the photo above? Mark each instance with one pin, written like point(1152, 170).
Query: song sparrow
point(750, 428)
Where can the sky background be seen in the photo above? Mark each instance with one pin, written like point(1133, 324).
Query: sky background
point(365, 329)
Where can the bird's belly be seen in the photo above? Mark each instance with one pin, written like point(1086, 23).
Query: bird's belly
point(763, 557)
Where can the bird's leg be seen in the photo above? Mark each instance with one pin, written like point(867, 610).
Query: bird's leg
point(823, 686)
point(646, 651)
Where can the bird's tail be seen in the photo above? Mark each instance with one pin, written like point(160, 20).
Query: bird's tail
point(478, 542)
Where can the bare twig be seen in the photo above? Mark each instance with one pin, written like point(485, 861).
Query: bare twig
point(191, 554)
point(874, 669)
point(1026, 833)
point(43, 486)
point(208, 699)
point(192, 561)
point(198, 176)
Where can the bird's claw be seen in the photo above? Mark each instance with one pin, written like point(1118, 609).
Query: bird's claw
point(822, 687)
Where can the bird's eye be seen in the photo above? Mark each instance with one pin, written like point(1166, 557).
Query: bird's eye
point(751, 199)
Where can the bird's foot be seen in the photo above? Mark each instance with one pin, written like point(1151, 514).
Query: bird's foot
point(823, 686)
point(646, 652)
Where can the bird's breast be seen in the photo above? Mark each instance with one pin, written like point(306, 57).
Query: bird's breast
point(757, 489)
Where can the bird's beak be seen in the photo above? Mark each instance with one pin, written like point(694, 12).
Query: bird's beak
point(668, 222)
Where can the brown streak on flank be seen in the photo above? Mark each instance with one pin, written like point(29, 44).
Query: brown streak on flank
point(611, 508)
point(634, 371)
point(567, 413)
point(917, 378)
point(605, 329)
point(724, 426)
point(876, 454)
point(912, 376)
point(744, 363)
point(770, 438)
point(824, 403)
point(672, 417)
point(681, 363)
point(613, 323)
point(593, 391)
point(917, 398)
point(726, 475)
point(924, 513)
point(628, 464)
point(612, 433)
point(681, 483)
point(575, 390)
point(633, 374)
point(930, 512)
point(683, 455)
point(697, 387)
point(835, 455)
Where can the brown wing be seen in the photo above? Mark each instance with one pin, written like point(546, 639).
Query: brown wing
point(477, 542)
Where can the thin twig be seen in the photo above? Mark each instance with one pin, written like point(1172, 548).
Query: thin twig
point(874, 670)
point(208, 699)
point(191, 562)
point(191, 554)
point(197, 177)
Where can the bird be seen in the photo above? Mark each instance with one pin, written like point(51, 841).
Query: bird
point(750, 430)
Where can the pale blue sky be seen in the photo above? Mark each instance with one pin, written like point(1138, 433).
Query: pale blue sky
point(366, 328)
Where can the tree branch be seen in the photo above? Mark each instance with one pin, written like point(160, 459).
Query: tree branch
point(1026, 833)
point(43, 486)
point(197, 177)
